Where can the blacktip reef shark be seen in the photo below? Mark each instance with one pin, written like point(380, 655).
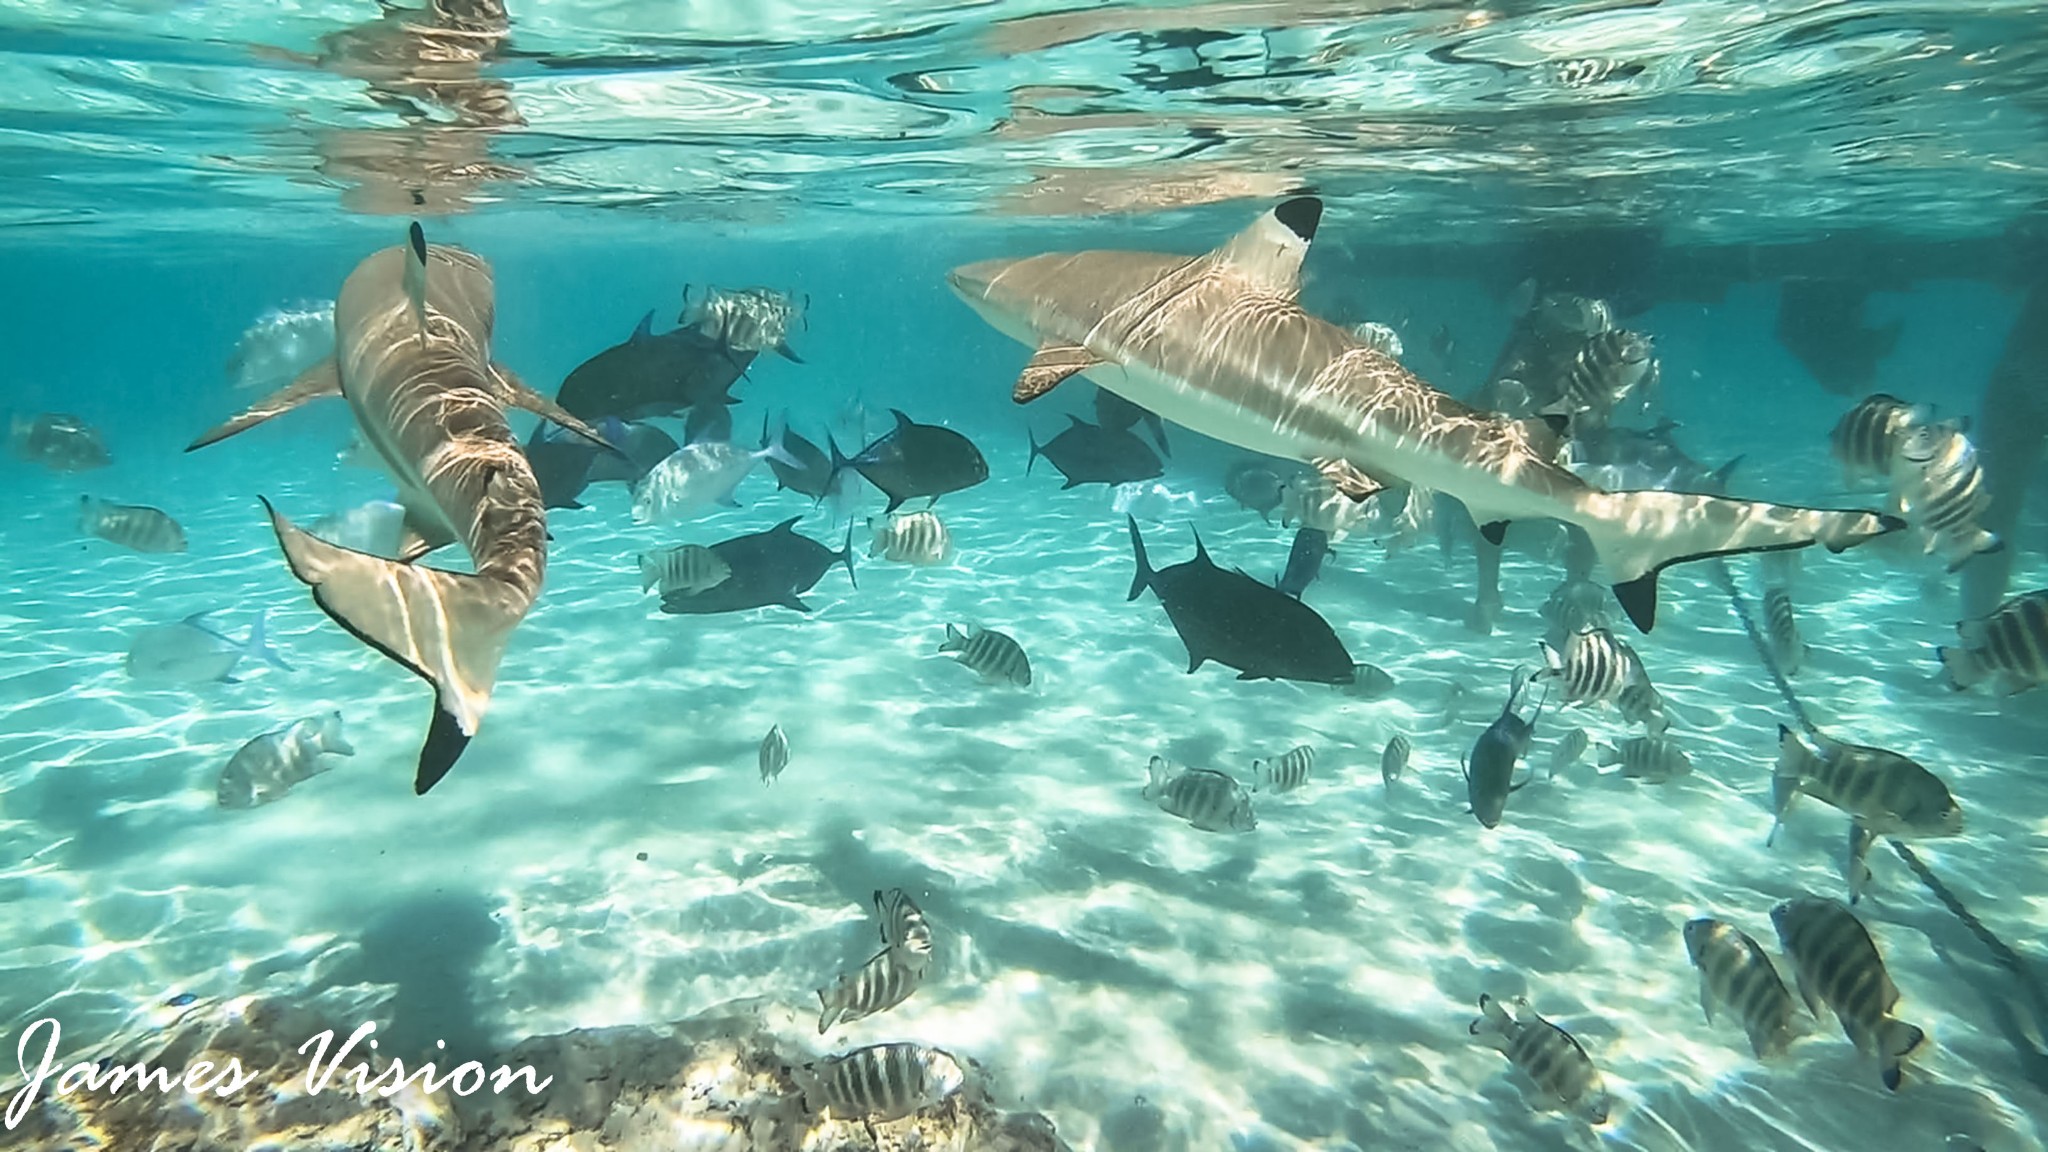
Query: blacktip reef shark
point(412, 359)
point(1218, 343)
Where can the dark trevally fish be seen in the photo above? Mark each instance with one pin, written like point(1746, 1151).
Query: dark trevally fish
point(812, 472)
point(1228, 617)
point(1091, 454)
point(2008, 648)
point(1634, 459)
point(57, 441)
point(881, 1082)
point(651, 375)
point(640, 447)
point(135, 526)
point(773, 567)
point(565, 463)
point(193, 652)
point(1490, 770)
point(913, 460)
point(1735, 973)
point(1304, 560)
point(1837, 964)
point(709, 420)
point(1117, 414)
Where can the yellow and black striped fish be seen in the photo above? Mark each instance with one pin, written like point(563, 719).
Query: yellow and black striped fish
point(1866, 439)
point(685, 568)
point(2008, 648)
point(135, 526)
point(1286, 773)
point(903, 925)
point(994, 656)
point(1838, 964)
point(1211, 801)
point(1546, 1054)
point(1938, 486)
point(1735, 973)
point(1652, 758)
point(910, 538)
point(881, 1082)
point(886, 980)
point(1394, 760)
point(1887, 793)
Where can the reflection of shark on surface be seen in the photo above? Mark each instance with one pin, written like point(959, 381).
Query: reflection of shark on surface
point(412, 358)
point(1218, 343)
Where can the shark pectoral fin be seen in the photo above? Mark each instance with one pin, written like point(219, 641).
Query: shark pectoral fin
point(448, 628)
point(1050, 365)
point(515, 392)
point(322, 379)
point(1348, 478)
point(1270, 252)
point(1638, 599)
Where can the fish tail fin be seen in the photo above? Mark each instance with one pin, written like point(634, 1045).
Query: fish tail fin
point(955, 641)
point(774, 447)
point(846, 555)
point(1719, 477)
point(1963, 668)
point(1155, 776)
point(1795, 762)
point(1494, 1025)
point(830, 1008)
point(1037, 450)
point(86, 505)
point(1896, 1040)
point(1143, 579)
point(259, 645)
point(1262, 774)
point(331, 737)
point(1639, 534)
point(448, 628)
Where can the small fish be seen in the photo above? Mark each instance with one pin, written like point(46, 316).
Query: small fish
point(281, 344)
point(904, 927)
point(995, 656)
point(1865, 441)
point(1490, 770)
point(774, 754)
point(1368, 682)
point(1888, 793)
point(1394, 760)
point(881, 1082)
point(696, 477)
point(1304, 561)
point(1609, 366)
point(1120, 415)
point(1651, 758)
point(1837, 964)
point(1088, 453)
point(1254, 485)
point(1207, 799)
point(1938, 486)
point(1781, 627)
point(268, 767)
point(1595, 667)
point(1286, 773)
point(1566, 749)
point(193, 652)
point(883, 982)
point(914, 460)
point(745, 319)
point(1856, 861)
point(57, 441)
point(687, 568)
point(1735, 973)
point(1378, 337)
point(1455, 699)
point(2008, 648)
point(918, 538)
point(135, 526)
point(1546, 1054)
point(1443, 345)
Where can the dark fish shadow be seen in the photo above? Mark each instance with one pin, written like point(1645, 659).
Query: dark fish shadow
point(429, 947)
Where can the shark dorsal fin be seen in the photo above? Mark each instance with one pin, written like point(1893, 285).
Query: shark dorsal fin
point(1050, 365)
point(645, 329)
point(416, 274)
point(1269, 253)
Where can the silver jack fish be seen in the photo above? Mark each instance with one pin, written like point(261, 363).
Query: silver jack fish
point(1546, 1054)
point(412, 359)
point(1205, 798)
point(1219, 344)
point(268, 767)
point(1735, 973)
point(1838, 965)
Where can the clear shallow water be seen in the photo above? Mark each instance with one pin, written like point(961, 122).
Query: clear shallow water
point(1305, 986)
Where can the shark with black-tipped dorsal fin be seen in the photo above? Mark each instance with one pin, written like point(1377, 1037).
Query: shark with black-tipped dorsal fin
point(1218, 343)
point(412, 359)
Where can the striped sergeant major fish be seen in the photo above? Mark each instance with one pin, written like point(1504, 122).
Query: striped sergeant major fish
point(1735, 973)
point(1866, 439)
point(910, 538)
point(685, 568)
point(1938, 486)
point(1546, 1054)
point(1205, 798)
point(412, 359)
point(2008, 648)
point(904, 927)
point(1285, 773)
point(1220, 344)
point(886, 980)
point(1652, 758)
point(774, 754)
point(881, 1082)
point(1596, 667)
point(1887, 793)
point(1837, 964)
point(993, 655)
point(1394, 759)
point(1609, 366)
point(135, 526)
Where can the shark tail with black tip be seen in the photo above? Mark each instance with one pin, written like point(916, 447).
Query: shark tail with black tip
point(1639, 534)
point(449, 628)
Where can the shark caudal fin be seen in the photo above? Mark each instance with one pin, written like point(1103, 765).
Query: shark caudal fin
point(1639, 534)
point(449, 628)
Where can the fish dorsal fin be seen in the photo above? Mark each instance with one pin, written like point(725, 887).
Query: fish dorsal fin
point(645, 329)
point(1201, 553)
point(1049, 366)
point(1077, 422)
point(902, 421)
point(1270, 252)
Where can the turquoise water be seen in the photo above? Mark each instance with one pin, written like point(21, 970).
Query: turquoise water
point(604, 854)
